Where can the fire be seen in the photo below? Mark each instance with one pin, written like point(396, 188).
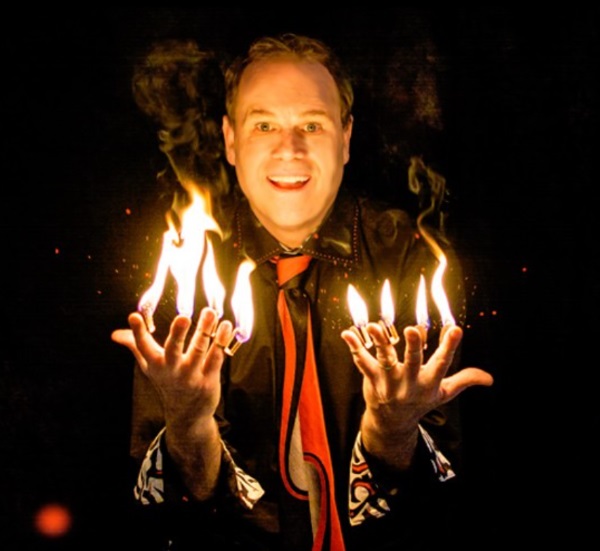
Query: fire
point(387, 305)
point(427, 183)
point(243, 309)
point(438, 293)
point(213, 288)
point(422, 314)
point(388, 313)
point(182, 251)
point(184, 248)
point(360, 315)
point(358, 308)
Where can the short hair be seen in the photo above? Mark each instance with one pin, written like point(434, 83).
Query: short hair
point(290, 46)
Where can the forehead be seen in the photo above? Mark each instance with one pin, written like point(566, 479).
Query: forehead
point(282, 83)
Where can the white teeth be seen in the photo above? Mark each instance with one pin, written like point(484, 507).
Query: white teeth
point(289, 179)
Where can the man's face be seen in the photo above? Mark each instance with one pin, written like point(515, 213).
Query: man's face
point(288, 145)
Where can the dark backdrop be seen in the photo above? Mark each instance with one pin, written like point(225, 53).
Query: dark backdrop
point(514, 133)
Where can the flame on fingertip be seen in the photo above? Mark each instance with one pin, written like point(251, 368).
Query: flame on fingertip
point(213, 288)
point(241, 301)
point(357, 306)
point(438, 293)
point(422, 177)
point(387, 304)
point(421, 309)
point(182, 251)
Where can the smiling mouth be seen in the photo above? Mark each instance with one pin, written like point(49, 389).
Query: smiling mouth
point(290, 182)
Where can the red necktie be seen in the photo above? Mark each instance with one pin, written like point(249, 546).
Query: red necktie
point(304, 458)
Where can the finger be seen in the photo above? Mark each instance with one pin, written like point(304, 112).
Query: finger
point(175, 341)
point(413, 351)
point(144, 341)
point(201, 338)
point(385, 352)
point(216, 352)
point(442, 358)
point(123, 337)
point(363, 359)
point(469, 376)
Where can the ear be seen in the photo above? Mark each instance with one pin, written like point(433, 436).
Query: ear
point(229, 137)
point(347, 134)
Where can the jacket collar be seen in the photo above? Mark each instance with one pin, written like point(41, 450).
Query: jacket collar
point(336, 241)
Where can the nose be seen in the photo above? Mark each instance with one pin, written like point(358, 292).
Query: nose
point(291, 145)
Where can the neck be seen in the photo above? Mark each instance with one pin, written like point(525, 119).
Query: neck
point(290, 240)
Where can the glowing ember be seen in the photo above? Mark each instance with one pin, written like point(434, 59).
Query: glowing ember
point(53, 520)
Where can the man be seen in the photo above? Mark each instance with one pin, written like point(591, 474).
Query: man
point(231, 425)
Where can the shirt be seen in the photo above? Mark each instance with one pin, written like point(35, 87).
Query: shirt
point(361, 242)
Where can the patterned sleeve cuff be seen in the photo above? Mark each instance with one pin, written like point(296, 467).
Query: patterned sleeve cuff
point(150, 486)
point(367, 498)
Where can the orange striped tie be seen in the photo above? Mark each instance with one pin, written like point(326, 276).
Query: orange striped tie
point(304, 458)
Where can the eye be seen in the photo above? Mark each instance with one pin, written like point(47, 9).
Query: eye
point(312, 127)
point(263, 127)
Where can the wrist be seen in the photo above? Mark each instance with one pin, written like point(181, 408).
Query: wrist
point(391, 443)
point(388, 427)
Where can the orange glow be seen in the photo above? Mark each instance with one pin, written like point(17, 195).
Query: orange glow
point(53, 520)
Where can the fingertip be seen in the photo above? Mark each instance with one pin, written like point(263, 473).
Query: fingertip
point(134, 316)
point(224, 330)
point(227, 324)
point(412, 334)
point(182, 322)
point(135, 320)
point(208, 315)
point(456, 332)
point(350, 338)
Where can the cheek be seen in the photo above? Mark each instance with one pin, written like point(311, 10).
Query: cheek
point(252, 155)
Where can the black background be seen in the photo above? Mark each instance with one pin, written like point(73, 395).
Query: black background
point(81, 220)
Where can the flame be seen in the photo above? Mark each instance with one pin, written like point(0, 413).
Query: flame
point(438, 293)
point(358, 307)
point(388, 314)
point(181, 254)
point(213, 288)
point(422, 314)
point(426, 182)
point(387, 304)
point(241, 301)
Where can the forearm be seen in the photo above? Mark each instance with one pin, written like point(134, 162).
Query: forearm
point(393, 446)
point(196, 451)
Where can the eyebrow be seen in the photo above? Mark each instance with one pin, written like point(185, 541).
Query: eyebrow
point(254, 113)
